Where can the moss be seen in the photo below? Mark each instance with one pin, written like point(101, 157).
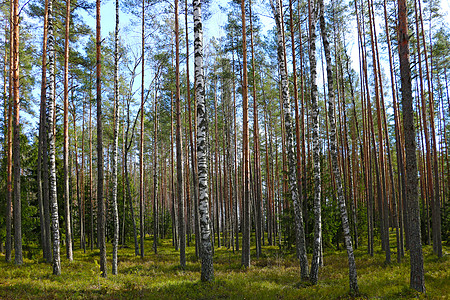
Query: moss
point(275, 275)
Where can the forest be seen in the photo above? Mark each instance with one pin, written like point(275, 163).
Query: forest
point(292, 149)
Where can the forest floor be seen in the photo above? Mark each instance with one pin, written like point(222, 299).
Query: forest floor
point(275, 275)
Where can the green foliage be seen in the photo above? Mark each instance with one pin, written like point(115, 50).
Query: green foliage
point(274, 276)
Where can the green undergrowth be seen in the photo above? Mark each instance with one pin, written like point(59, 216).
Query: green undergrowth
point(275, 275)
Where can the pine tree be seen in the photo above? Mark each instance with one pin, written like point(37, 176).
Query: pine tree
point(417, 280)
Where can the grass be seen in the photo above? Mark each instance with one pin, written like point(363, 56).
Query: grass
point(273, 276)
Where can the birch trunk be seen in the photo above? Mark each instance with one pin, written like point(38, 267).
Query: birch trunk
point(51, 144)
point(116, 144)
point(141, 145)
point(334, 156)
point(292, 162)
point(207, 271)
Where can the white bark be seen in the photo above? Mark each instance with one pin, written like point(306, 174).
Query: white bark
point(315, 262)
point(51, 143)
point(116, 144)
point(207, 271)
point(334, 157)
point(292, 176)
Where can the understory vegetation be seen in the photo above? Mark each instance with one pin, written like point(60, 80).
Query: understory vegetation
point(275, 275)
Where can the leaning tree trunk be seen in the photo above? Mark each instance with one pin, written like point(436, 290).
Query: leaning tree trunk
point(116, 144)
point(292, 173)
point(334, 156)
point(417, 279)
point(257, 163)
point(101, 214)
point(45, 235)
point(51, 144)
point(69, 252)
point(207, 271)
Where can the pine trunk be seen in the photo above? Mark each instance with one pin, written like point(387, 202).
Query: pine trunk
point(245, 149)
point(181, 221)
point(417, 279)
point(101, 211)
point(69, 252)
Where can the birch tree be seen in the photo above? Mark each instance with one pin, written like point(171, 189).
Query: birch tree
point(292, 161)
point(334, 154)
point(115, 144)
point(315, 147)
point(51, 144)
point(207, 270)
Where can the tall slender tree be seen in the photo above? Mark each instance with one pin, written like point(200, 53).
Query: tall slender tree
point(316, 148)
point(43, 205)
point(101, 212)
point(16, 127)
point(51, 143)
point(179, 142)
point(245, 148)
point(141, 145)
point(207, 270)
point(334, 154)
point(292, 161)
point(115, 144)
point(9, 154)
point(417, 279)
point(67, 215)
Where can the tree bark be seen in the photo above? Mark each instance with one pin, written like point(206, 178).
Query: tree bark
point(417, 279)
point(51, 142)
point(316, 152)
point(101, 213)
point(334, 156)
point(245, 149)
point(179, 142)
point(141, 145)
point(207, 271)
point(45, 235)
point(292, 162)
point(69, 252)
point(116, 144)
point(16, 127)
point(9, 154)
